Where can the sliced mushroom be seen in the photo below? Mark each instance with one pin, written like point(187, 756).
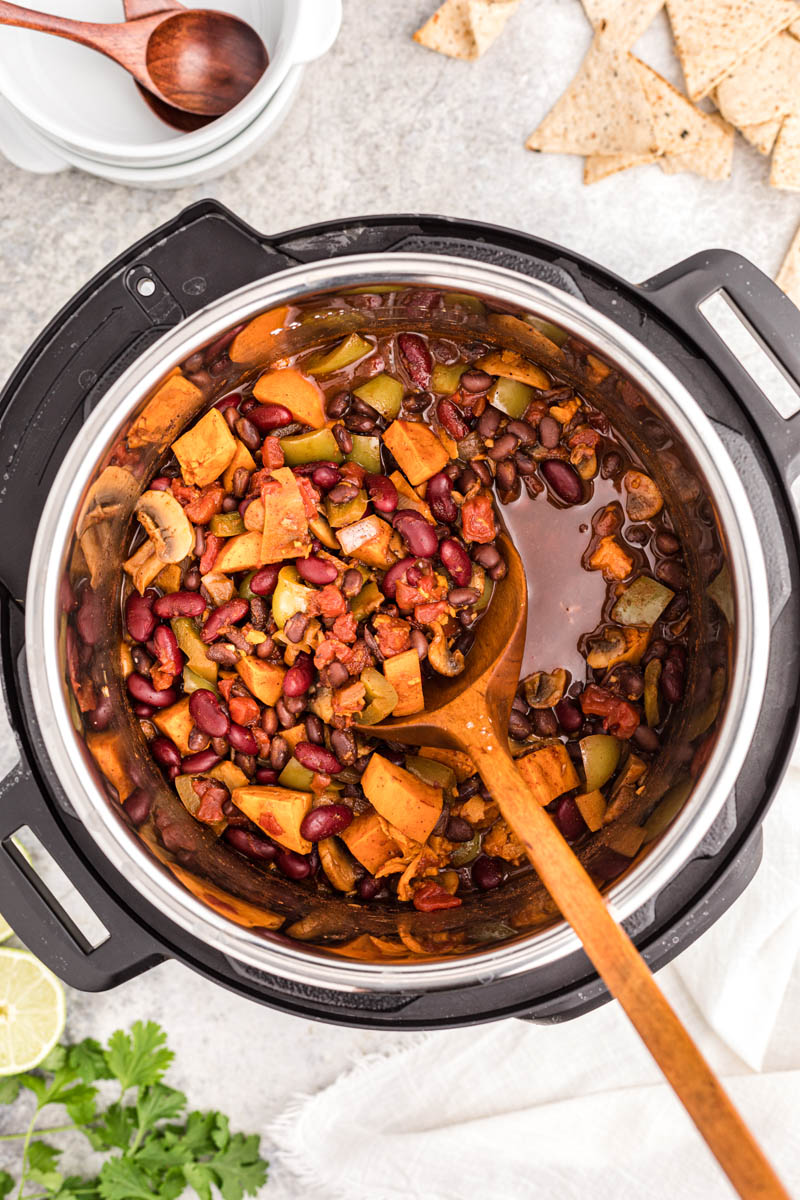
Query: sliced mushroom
point(220, 587)
point(584, 460)
point(166, 524)
point(644, 499)
point(337, 864)
point(441, 657)
point(143, 567)
point(543, 690)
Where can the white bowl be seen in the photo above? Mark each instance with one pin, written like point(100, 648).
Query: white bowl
point(26, 146)
point(84, 103)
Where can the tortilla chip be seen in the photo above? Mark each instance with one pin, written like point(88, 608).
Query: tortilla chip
point(761, 136)
point(788, 276)
point(603, 111)
point(623, 21)
point(785, 172)
point(794, 29)
point(713, 36)
point(764, 85)
point(602, 166)
point(711, 156)
point(465, 28)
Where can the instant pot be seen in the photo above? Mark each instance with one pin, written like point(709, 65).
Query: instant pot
point(87, 382)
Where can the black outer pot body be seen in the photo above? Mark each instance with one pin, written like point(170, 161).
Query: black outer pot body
point(205, 253)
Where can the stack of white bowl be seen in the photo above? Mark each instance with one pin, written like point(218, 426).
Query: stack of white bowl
point(63, 105)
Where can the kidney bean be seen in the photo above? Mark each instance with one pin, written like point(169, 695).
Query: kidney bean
point(488, 873)
point(417, 532)
point(326, 821)
point(267, 417)
point(458, 830)
point(160, 484)
point(673, 681)
point(299, 677)
point(569, 715)
point(475, 380)
point(568, 818)
point(205, 711)
point(318, 571)
point(100, 717)
point(89, 618)
point(294, 866)
point(549, 432)
point(462, 596)
point(317, 758)
point(165, 752)
point(326, 476)
point(369, 887)
point(417, 358)
point(138, 805)
point(265, 580)
point(141, 689)
point(563, 480)
point(393, 575)
point(241, 738)
point(279, 753)
point(200, 763)
point(143, 710)
point(439, 495)
point(139, 619)
point(456, 560)
point(253, 845)
point(505, 445)
point(382, 493)
point(489, 422)
point(227, 614)
point(451, 420)
point(166, 646)
point(266, 775)
point(344, 438)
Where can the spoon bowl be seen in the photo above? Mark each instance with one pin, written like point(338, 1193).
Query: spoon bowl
point(176, 118)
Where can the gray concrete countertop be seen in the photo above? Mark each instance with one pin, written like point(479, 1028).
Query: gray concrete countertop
point(380, 125)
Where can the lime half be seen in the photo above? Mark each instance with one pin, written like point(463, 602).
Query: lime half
point(32, 1011)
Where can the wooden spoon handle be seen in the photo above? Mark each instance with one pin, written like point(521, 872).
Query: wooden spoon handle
point(124, 42)
point(145, 8)
point(628, 977)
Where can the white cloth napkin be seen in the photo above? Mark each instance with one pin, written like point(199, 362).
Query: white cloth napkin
point(511, 1111)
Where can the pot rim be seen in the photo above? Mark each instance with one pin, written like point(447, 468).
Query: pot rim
point(129, 855)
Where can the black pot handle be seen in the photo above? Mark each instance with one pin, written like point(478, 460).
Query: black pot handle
point(765, 311)
point(39, 920)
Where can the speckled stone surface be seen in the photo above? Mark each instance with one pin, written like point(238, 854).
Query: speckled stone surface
point(380, 125)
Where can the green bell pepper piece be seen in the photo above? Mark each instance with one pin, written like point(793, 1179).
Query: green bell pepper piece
point(245, 591)
point(192, 681)
point(323, 532)
point(367, 600)
point(511, 397)
point(348, 513)
point(317, 446)
point(383, 393)
point(554, 332)
point(464, 300)
point(226, 524)
point(466, 852)
point(430, 771)
point(348, 351)
point(642, 603)
point(446, 379)
point(193, 646)
point(294, 775)
point(600, 753)
point(290, 596)
point(380, 695)
point(366, 452)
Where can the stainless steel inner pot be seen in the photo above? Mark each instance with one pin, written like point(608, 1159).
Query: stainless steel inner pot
point(78, 490)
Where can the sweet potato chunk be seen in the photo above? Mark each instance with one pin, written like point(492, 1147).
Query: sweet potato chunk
point(263, 679)
point(255, 341)
point(242, 552)
point(164, 412)
point(229, 774)
point(404, 801)
point(295, 391)
point(278, 811)
point(366, 840)
point(418, 451)
point(408, 498)
point(292, 736)
point(176, 722)
point(205, 450)
point(511, 365)
point(460, 763)
point(104, 749)
point(241, 458)
point(611, 559)
point(286, 533)
point(402, 671)
point(368, 541)
point(592, 807)
point(548, 772)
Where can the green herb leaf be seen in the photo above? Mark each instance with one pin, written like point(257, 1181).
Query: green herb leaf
point(239, 1168)
point(158, 1103)
point(7, 1184)
point(88, 1060)
point(115, 1129)
point(139, 1058)
point(9, 1090)
point(42, 1160)
point(121, 1179)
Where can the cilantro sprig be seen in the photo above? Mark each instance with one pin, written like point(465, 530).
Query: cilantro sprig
point(156, 1149)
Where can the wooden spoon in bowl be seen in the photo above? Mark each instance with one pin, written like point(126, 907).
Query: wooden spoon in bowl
point(470, 712)
point(176, 118)
point(198, 60)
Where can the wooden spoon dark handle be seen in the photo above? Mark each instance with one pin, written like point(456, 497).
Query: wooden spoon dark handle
point(627, 976)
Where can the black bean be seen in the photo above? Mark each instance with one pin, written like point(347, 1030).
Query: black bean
point(344, 439)
point(475, 380)
point(470, 787)
point(240, 482)
point(466, 480)
point(419, 643)
point(360, 406)
point(343, 744)
point(483, 472)
point(296, 627)
point(503, 447)
point(646, 739)
point(523, 431)
point(360, 423)
point(667, 543)
point(519, 726)
point(489, 421)
point(461, 597)
point(279, 753)
point(524, 464)
point(245, 763)
point(222, 654)
point(229, 504)
point(259, 613)
point(191, 580)
point(611, 465)
point(670, 572)
point(507, 481)
point(197, 740)
point(269, 721)
point(458, 830)
point(338, 674)
point(544, 722)
point(343, 493)
point(487, 556)
point(549, 432)
point(417, 402)
point(338, 406)
point(248, 433)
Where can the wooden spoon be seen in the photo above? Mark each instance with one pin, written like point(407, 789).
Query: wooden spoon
point(197, 60)
point(470, 712)
point(176, 118)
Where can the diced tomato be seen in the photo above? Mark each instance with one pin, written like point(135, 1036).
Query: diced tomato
point(350, 698)
point(310, 495)
point(258, 479)
point(270, 823)
point(319, 782)
point(225, 686)
point(431, 896)
point(426, 614)
point(182, 492)
point(621, 719)
point(272, 452)
point(212, 798)
point(330, 648)
point(213, 547)
point(477, 519)
point(331, 601)
point(206, 504)
point(392, 634)
point(263, 740)
point(408, 596)
point(353, 471)
point(584, 436)
point(243, 710)
point(345, 627)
